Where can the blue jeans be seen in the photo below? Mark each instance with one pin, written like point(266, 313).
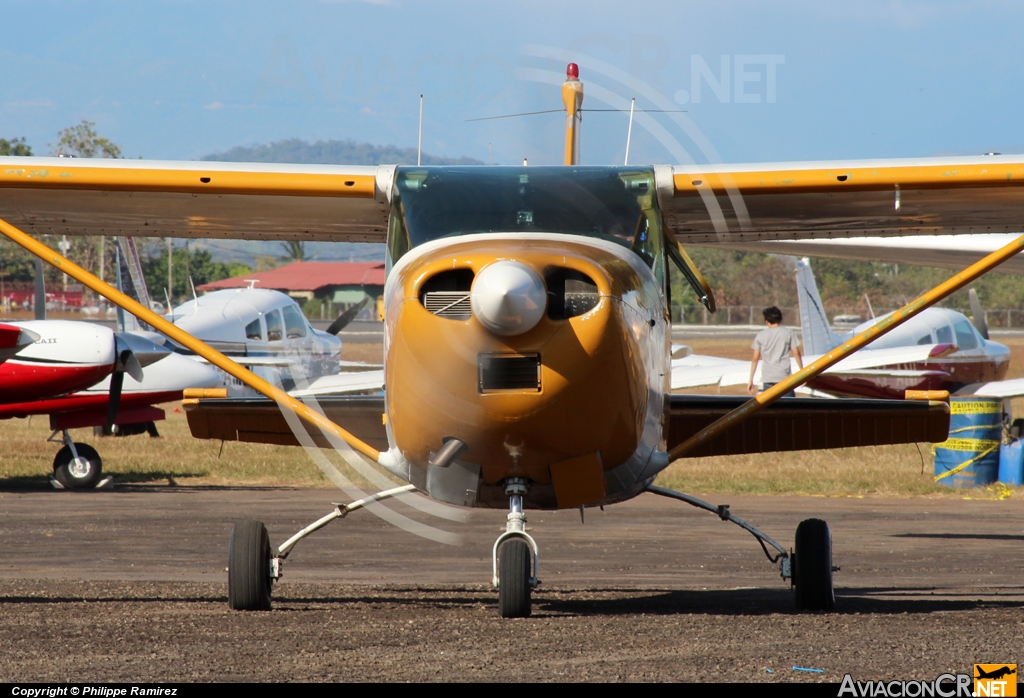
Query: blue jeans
point(765, 386)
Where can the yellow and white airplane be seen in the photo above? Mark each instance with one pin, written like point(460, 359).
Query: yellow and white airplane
point(527, 350)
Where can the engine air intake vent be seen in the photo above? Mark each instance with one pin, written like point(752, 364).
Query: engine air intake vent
point(570, 293)
point(447, 294)
point(509, 372)
point(454, 305)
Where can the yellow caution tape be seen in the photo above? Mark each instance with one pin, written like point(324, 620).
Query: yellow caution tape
point(975, 407)
point(1000, 490)
point(967, 444)
point(966, 463)
point(977, 426)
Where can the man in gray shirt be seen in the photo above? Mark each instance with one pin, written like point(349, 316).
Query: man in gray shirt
point(774, 344)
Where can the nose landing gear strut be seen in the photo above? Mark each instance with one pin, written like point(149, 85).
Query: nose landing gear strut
point(511, 557)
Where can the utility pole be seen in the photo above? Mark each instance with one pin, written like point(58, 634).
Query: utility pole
point(64, 246)
point(170, 267)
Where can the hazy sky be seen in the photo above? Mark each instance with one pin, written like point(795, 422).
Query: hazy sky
point(785, 80)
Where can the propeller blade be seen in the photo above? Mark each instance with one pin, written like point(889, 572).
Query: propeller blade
point(346, 317)
point(116, 382)
point(132, 366)
point(978, 313)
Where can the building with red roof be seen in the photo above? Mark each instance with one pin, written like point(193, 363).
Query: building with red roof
point(340, 283)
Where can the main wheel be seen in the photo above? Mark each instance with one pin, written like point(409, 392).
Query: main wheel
point(514, 579)
point(249, 579)
point(812, 566)
point(77, 473)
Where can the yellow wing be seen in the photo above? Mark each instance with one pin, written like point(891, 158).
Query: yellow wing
point(701, 204)
point(815, 200)
point(194, 199)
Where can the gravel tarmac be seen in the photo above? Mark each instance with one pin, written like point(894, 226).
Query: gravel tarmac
point(129, 585)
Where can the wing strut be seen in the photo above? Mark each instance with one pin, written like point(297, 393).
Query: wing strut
point(897, 318)
point(283, 399)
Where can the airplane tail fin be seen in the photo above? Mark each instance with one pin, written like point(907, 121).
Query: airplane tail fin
point(40, 297)
point(818, 335)
point(131, 282)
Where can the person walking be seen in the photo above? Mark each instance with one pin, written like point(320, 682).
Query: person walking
point(774, 345)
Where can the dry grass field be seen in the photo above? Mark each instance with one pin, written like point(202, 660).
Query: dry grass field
point(176, 459)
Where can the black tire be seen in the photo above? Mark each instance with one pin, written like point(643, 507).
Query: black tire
point(76, 476)
point(249, 581)
point(812, 567)
point(514, 579)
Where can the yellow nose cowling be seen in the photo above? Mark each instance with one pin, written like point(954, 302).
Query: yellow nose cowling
point(575, 387)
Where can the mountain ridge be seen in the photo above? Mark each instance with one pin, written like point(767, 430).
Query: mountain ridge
point(331, 152)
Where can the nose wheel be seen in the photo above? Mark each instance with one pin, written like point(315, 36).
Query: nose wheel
point(514, 551)
point(514, 590)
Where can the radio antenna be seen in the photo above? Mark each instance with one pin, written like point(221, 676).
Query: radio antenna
point(419, 142)
point(629, 131)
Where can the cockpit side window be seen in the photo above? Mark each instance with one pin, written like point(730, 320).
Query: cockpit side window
point(254, 331)
point(943, 335)
point(927, 339)
point(294, 323)
point(965, 338)
point(275, 328)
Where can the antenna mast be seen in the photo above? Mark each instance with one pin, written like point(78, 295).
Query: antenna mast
point(572, 97)
point(419, 141)
point(629, 132)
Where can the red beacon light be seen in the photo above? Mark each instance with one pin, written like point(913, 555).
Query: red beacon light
point(572, 72)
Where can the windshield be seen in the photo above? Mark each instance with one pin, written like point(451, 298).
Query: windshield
point(618, 204)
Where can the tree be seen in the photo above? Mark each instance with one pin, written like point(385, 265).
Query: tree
point(198, 263)
point(82, 141)
point(294, 250)
point(15, 146)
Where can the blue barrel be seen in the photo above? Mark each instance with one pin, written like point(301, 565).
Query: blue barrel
point(1011, 464)
point(970, 456)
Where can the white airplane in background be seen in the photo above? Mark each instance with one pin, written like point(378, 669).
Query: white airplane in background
point(974, 366)
point(262, 329)
point(266, 331)
point(940, 349)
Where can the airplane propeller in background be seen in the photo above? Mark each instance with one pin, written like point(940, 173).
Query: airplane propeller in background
point(346, 317)
point(978, 315)
point(132, 353)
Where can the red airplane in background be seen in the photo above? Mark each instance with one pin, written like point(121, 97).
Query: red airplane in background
point(61, 368)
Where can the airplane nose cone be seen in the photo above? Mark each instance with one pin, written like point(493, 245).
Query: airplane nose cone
point(508, 298)
point(145, 350)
